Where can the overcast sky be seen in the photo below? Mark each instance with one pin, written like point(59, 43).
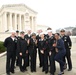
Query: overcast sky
point(54, 13)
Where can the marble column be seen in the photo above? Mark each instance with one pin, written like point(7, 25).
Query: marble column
point(10, 25)
point(35, 25)
point(19, 21)
point(5, 21)
point(32, 24)
point(24, 23)
point(15, 21)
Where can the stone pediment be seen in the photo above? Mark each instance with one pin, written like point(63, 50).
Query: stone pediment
point(19, 7)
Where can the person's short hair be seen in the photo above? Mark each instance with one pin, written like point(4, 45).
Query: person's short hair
point(17, 31)
point(33, 34)
point(62, 30)
point(57, 34)
point(49, 28)
point(22, 32)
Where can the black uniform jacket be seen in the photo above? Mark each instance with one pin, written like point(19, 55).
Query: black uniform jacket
point(67, 41)
point(32, 46)
point(42, 44)
point(22, 46)
point(10, 44)
point(27, 37)
point(51, 41)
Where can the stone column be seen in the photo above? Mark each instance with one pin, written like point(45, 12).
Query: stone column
point(15, 21)
point(32, 24)
point(5, 22)
point(19, 21)
point(10, 25)
point(24, 23)
point(35, 25)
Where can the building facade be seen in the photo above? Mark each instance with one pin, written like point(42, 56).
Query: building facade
point(42, 27)
point(17, 17)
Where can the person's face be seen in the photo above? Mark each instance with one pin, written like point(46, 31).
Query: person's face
point(17, 34)
point(13, 34)
point(29, 31)
point(62, 33)
point(50, 33)
point(56, 36)
point(34, 37)
point(22, 35)
point(42, 36)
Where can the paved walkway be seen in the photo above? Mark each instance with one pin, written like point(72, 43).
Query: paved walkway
point(17, 72)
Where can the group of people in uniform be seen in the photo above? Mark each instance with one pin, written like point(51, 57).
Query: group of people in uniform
point(22, 50)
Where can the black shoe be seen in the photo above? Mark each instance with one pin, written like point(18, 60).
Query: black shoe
point(12, 72)
point(61, 73)
point(43, 70)
point(22, 70)
point(8, 74)
point(32, 71)
point(40, 66)
point(17, 64)
point(25, 70)
point(51, 74)
point(46, 72)
point(65, 66)
point(69, 69)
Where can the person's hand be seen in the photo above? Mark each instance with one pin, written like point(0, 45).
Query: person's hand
point(28, 41)
point(42, 51)
point(36, 42)
point(56, 50)
point(20, 54)
point(50, 53)
point(54, 45)
point(27, 52)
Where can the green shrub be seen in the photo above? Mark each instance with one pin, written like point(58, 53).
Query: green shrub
point(2, 48)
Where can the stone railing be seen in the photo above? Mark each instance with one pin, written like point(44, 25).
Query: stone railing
point(73, 38)
point(3, 35)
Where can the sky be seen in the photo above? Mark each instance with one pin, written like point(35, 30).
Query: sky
point(53, 13)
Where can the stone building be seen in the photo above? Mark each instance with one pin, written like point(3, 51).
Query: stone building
point(17, 17)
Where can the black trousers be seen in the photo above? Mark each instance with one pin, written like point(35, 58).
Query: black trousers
point(44, 61)
point(27, 59)
point(39, 53)
point(22, 65)
point(17, 58)
point(68, 57)
point(52, 63)
point(10, 61)
point(17, 61)
point(33, 61)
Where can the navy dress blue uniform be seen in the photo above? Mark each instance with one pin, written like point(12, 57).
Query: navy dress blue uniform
point(28, 37)
point(51, 40)
point(17, 57)
point(33, 53)
point(42, 44)
point(10, 45)
point(39, 53)
point(68, 44)
point(22, 48)
point(60, 54)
